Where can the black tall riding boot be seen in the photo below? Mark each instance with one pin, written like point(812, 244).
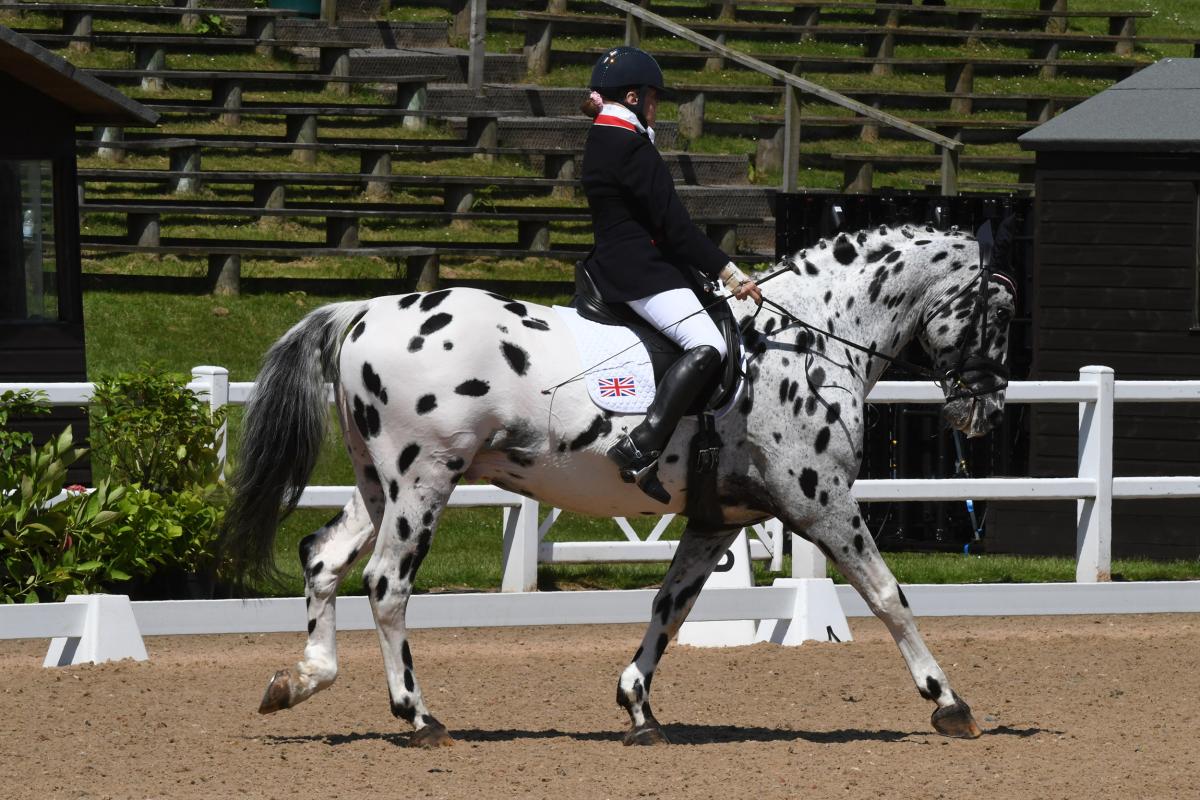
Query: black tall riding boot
point(636, 454)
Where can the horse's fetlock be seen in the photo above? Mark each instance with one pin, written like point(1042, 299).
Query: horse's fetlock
point(631, 689)
point(317, 674)
point(404, 709)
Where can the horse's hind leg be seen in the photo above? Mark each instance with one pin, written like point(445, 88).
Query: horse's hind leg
point(694, 561)
point(409, 520)
point(325, 556)
point(845, 540)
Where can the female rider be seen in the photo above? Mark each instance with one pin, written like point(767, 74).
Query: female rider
point(648, 251)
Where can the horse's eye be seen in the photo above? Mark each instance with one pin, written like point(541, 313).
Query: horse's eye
point(1003, 315)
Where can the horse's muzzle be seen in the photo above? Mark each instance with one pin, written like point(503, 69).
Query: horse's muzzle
point(974, 416)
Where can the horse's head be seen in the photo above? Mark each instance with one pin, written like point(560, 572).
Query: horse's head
point(965, 331)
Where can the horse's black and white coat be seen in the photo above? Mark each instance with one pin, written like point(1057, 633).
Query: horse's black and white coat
point(433, 388)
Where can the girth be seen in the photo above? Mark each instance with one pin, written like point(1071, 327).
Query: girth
point(664, 352)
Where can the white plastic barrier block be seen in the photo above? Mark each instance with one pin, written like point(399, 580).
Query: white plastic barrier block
point(733, 571)
point(110, 633)
point(817, 616)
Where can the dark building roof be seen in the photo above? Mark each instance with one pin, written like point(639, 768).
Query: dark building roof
point(1154, 110)
point(93, 101)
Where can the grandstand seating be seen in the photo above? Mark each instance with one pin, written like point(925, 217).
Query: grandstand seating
point(369, 129)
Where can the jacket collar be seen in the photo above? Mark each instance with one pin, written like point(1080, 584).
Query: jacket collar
point(615, 115)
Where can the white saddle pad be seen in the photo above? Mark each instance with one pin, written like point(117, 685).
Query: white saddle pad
point(619, 377)
point(619, 374)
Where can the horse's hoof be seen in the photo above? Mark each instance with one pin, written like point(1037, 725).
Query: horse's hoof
point(279, 693)
point(431, 736)
point(648, 734)
point(956, 721)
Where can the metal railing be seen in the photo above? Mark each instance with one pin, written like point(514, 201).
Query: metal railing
point(793, 86)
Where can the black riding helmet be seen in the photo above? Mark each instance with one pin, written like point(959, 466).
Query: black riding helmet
point(622, 69)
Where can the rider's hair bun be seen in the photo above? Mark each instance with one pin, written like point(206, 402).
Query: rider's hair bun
point(592, 104)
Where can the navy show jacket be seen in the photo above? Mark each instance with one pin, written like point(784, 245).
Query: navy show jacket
point(645, 242)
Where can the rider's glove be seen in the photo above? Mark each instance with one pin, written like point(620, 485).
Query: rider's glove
point(732, 277)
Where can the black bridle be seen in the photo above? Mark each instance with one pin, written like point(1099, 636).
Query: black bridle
point(971, 376)
point(974, 375)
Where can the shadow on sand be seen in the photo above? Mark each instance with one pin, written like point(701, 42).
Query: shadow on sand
point(677, 734)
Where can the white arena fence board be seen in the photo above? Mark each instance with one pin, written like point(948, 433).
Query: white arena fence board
point(1093, 489)
point(477, 609)
point(1033, 599)
point(504, 609)
point(41, 620)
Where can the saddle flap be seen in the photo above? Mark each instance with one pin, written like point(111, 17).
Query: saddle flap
point(663, 352)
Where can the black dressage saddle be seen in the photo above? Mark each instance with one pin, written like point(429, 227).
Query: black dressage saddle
point(664, 352)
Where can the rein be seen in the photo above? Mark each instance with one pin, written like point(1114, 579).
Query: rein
point(953, 379)
point(916, 369)
point(956, 376)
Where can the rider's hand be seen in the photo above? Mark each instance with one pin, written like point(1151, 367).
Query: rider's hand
point(738, 284)
point(749, 289)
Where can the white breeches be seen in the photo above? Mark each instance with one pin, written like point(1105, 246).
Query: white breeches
point(665, 310)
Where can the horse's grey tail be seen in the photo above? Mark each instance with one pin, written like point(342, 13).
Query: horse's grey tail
point(282, 432)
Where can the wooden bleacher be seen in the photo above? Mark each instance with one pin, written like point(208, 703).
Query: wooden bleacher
point(855, 47)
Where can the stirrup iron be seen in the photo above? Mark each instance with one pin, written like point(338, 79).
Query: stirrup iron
point(636, 466)
point(631, 461)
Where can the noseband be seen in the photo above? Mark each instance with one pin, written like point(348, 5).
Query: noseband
point(973, 376)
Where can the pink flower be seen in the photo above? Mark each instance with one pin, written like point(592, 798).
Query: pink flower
point(76, 488)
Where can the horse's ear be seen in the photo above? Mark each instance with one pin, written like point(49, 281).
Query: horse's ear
point(986, 239)
point(1002, 250)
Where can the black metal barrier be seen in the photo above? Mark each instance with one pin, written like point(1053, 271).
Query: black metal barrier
point(910, 441)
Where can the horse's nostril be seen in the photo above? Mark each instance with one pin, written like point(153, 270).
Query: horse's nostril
point(996, 417)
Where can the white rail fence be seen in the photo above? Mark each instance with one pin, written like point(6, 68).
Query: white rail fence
point(96, 626)
point(1093, 488)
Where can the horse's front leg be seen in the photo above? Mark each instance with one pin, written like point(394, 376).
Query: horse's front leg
point(325, 556)
point(842, 536)
point(694, 561)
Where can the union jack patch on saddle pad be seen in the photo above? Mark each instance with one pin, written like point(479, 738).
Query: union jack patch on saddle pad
point(624, 386)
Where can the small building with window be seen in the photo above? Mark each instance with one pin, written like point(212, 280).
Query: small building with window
point(44, 98)
point(1115, 282)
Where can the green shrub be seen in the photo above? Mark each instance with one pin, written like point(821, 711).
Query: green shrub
point(149, 429)
point(49, 551)
point(13, 444)
point(158, 439)
point(157, 511)
point(174, 533)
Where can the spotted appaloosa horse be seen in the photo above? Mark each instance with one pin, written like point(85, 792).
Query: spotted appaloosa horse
point(432, 388)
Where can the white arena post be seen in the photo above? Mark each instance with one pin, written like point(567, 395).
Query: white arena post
point(774, 530)
point(521, 540)
point(807, 560)
point(109, 632)
point(1093, 537)
point(817, 614)
point(213, 382)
